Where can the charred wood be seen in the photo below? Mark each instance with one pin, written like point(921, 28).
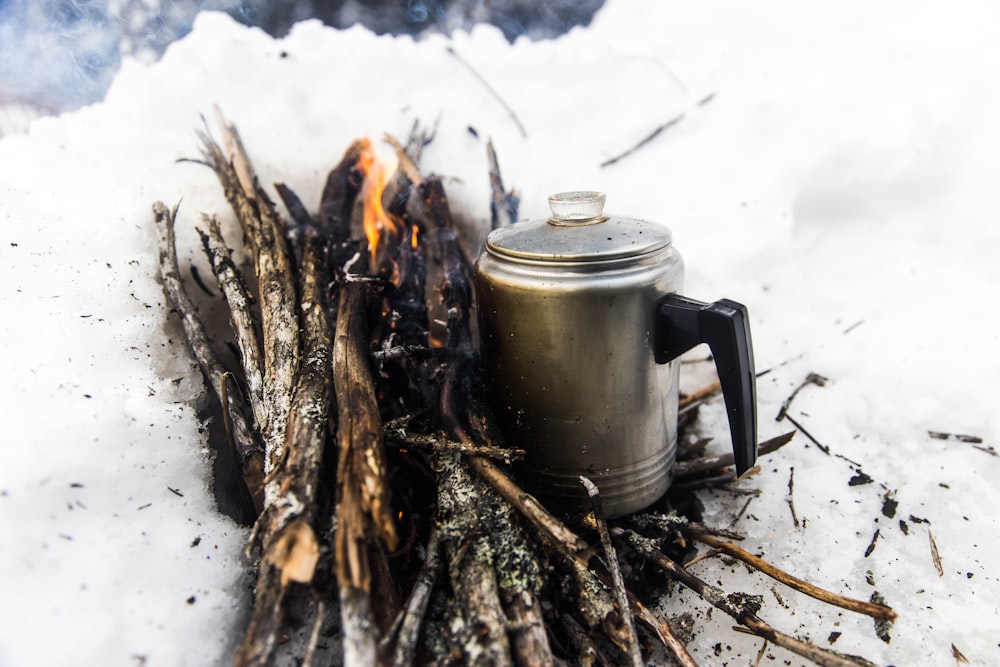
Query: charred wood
point(504, 204)
point(695, 466)
point(379, 348)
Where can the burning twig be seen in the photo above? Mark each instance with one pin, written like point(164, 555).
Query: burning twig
point(407, 165)
point(479, 77)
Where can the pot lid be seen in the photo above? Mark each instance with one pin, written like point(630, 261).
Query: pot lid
point(578, 231)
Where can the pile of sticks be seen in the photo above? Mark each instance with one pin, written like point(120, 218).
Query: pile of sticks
point(385, 512)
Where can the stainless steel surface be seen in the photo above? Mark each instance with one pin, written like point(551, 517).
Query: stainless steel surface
point(578, 231)
point(566, 317)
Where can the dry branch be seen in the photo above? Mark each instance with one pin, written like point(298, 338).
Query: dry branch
point(241, 314)
point(287, 368)
point(740, 606)
point(878, 611)
point(611, 562)
point(663, 631)
point(485, 593)
point(411, 617)
point(363, 510)
point(264, 236)
point(244, 438)
point(493, 568)
point(686, 468)
point(397, 433)
point(555, 531)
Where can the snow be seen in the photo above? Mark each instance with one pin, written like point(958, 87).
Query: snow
point(840, 183)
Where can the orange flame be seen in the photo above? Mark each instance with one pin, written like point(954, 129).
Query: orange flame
point(377, 223)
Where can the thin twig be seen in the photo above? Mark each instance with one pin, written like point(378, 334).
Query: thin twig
point(611, 560)
point(406, 163)
point(743, 510)
point(874, 610)
point(760, 654)
point(242, 433)
point(700, 395)
point(240, 313)
point(791, 498)
point(587, 652)
point(310, 654)
point(652, 135)
point(397, 434)
point(663, 631)
point(264, 234)
point(811, 378)
point(823, 448)
point(551, 528)
point(739, 606)
point(686, 468)
point(479, 77)
point(411, 617)
point(711, 553)
point(935, 555)
point(655, 133)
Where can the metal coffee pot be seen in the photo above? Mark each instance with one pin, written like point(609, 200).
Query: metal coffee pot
point(581, 325)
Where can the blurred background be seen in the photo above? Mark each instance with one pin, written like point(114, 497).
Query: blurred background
point(58, 55)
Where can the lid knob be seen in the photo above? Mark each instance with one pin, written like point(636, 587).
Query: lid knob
point(580, 207)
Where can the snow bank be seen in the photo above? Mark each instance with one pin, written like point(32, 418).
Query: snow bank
point(840, 182)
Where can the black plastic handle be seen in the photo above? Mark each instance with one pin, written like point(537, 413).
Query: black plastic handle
point(682, 323)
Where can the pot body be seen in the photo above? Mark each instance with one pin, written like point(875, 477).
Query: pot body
point(569, 345)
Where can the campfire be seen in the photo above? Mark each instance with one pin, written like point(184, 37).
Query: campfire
point(390, 523)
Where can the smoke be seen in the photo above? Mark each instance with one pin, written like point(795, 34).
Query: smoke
point(57, 55)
